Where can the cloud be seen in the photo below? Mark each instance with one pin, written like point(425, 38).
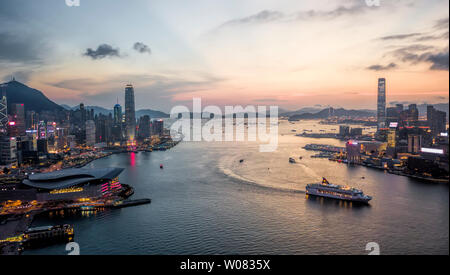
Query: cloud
point(400, 36)
point(76, 84)
point(163, 86)
point(442, 24)
point(102, 51)
point(269, 100)
point(153, 91)
point(434, 34)
point(266, 16)
point(261, 17)
point(392, 103)
point(443, 36)
point(381, 67)
point(142, 48)
point(439, 61)
point(20, 49)
point(411, 48)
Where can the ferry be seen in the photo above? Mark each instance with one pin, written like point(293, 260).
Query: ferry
point(328, 190)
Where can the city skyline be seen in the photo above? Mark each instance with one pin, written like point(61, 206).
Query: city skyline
point(204, 129)
point(262, 53)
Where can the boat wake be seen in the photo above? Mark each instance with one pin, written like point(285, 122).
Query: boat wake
point(226, 168)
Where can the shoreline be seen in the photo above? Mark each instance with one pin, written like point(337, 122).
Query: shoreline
point(397, 173)
point(12, 245)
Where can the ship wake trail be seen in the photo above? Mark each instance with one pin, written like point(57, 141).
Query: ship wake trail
point(229, 173)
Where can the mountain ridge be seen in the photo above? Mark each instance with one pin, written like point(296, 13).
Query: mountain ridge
point(33, 99)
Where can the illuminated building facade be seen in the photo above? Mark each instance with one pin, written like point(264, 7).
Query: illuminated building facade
point(3, 110)
point(74, 184)
point(158, 127)
point(130, 115)
point(8, 150)
point(353, 151)
point(392, 138)
point(381, 104)
point(414, 143)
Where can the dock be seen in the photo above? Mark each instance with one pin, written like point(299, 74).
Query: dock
point(128, 203)
point(15, 234)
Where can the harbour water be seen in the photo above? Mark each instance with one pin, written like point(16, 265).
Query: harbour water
point(206, 201)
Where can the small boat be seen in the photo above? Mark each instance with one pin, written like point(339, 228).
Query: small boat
point(161, 166)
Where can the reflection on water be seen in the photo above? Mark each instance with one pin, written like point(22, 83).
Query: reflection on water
point(314, 201)
point(205, 201)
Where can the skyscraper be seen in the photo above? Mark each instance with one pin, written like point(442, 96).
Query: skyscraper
point(18, 115)
point(381, 105)
point(436, 120)
point(90, 133)
point(413, 115)
point(414, 143)
point(144, 127)
point(117, 133)
point(83, 114)
point(3, 110)
point(392, 115)
point(392, 138)
point(158, 127)
point(130, 116)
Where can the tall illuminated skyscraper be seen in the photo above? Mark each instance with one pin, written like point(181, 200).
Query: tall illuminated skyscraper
point(3, 110)
point(117, 114)
point(130, 116)
point(381, 105)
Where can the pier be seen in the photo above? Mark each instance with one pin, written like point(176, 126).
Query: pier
point(129, 203)
point(44, 235)
point(324, 148)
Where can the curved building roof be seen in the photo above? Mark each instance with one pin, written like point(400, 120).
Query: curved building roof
point(70, 177)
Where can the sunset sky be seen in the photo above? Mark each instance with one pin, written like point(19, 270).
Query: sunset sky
point(290, 53)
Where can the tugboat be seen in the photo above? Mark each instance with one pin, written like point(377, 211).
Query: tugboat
point(328, 190)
